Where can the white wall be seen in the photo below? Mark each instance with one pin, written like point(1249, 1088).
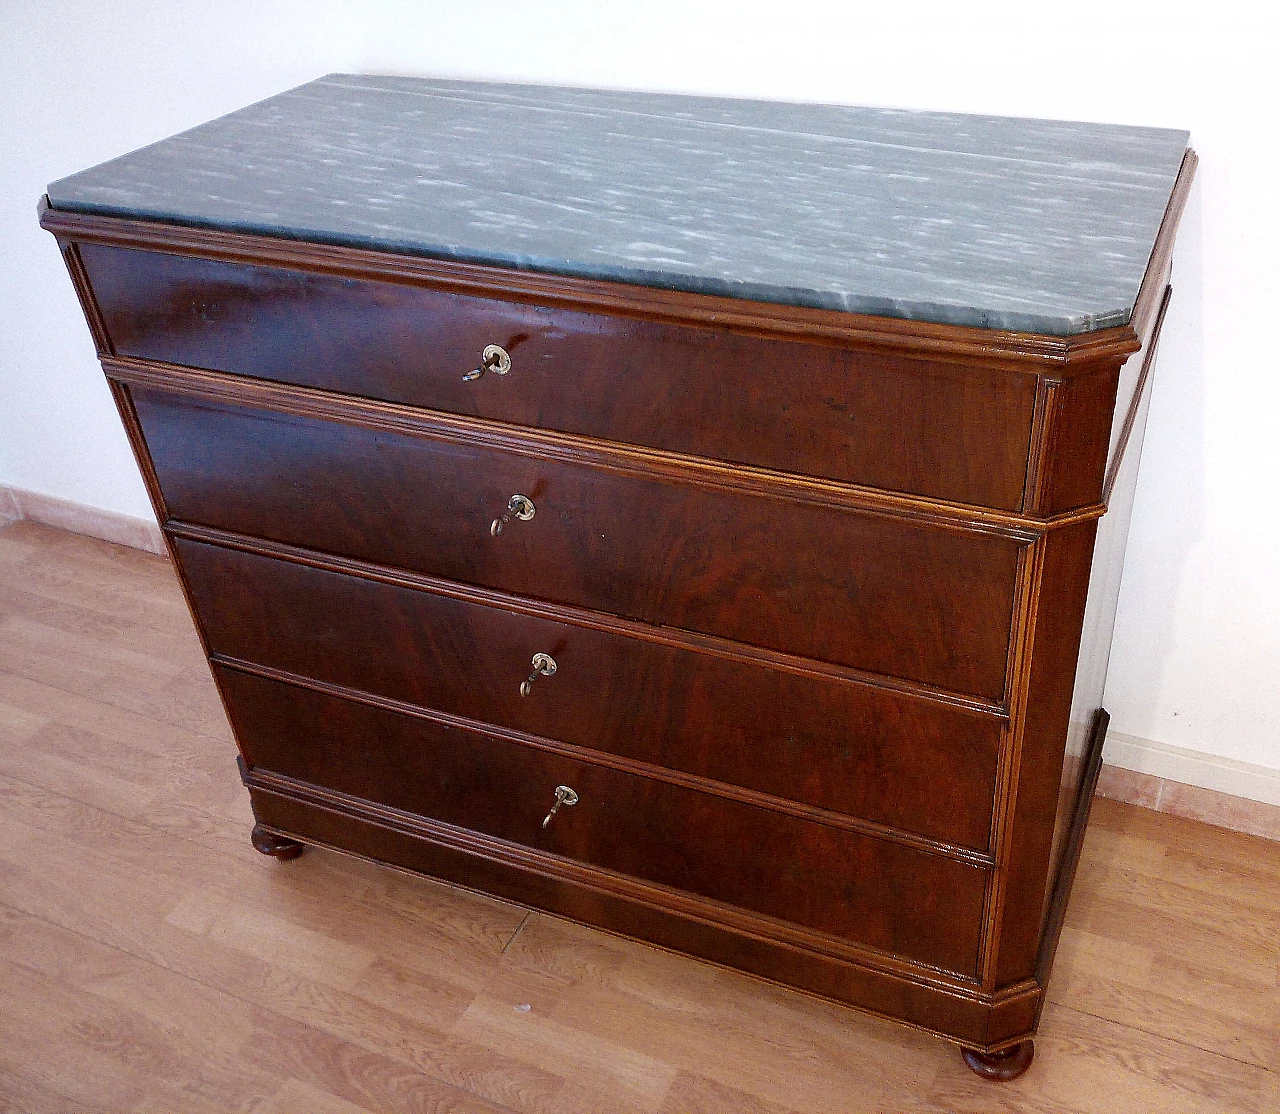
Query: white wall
point(1198, 643)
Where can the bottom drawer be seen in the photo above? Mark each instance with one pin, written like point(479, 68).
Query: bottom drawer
point(855, 887)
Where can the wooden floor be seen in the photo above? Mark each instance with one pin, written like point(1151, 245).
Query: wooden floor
point(150, 960)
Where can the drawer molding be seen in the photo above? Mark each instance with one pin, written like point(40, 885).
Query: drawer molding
point(983, 859)
point(629, 460)
point(1030, 353)
point(582, 617)
point(689, 906)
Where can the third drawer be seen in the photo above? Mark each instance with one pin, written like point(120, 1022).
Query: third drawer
point(906, 762)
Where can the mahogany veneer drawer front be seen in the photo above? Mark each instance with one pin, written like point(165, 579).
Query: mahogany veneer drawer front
point(884, 895)
point(898, 423)
point(924, 603)
point(832, 744)
point(753, 480)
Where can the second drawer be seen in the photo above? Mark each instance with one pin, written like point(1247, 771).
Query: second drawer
point(874, 593)
point(899, 760)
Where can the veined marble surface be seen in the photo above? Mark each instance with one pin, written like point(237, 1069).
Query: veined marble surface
point(1033, 225)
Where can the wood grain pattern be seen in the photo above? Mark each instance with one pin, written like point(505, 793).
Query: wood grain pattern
point(1055, 356)
point(1050, 649)
point(869, 753)
point(895, 899)
point(898, 424)
point(926, 605)
point(152, 961)
point(630, 460)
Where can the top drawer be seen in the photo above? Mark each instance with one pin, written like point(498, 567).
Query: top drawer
point(954, 433)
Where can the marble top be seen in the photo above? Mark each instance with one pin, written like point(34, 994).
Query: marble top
point(1033, 225)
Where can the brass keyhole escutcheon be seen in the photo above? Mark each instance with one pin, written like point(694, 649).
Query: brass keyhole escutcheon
point(494, 358)
point(518, 506)
point(544, 665)
point(564, 796)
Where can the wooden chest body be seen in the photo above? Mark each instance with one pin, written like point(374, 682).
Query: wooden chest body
point(819, 588)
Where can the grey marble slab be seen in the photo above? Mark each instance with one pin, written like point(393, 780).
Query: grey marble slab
point(1035, 225)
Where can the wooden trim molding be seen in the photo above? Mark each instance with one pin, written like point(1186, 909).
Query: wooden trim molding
point(1135, 405)
point(1033, 353)
point(633, 460)
point(1150, 294)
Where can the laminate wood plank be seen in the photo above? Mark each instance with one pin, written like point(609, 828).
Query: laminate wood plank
point(302, 990)
point(123, 779)
point(624, 1078)
point(366, 1079)
point(289, 958)
point(36, 1015)
point(97, 667)
point(18, 724)
point(167, 1040)
point(1235, 853)
point(1154, 912)
point(21, 540)
point(122, 762)
point(1217, 1009)
point(125, 583)
point(783, 1048)
point(1230, 920)
point(157, 639)
point(295, 1097)
point(690, 1091)
point(77, 660)
point(45, 703)
point(153, 962)
point(63, 617)
point(24, 1091)
point(1085, 1065)
point(89, 854)
point(1146, 905)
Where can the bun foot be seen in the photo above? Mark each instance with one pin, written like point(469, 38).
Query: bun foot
point(1002, 1066)
point(276, 846)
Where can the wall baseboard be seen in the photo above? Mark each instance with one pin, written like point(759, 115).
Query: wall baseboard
point(1193, 785)
point(123, 529)
point(8, 507)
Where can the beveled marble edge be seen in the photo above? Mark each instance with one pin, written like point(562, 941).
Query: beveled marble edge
point(938, 313)
point(824, 266)
point(1054, 356)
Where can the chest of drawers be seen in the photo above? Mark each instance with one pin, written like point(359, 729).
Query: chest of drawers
point(659, 574)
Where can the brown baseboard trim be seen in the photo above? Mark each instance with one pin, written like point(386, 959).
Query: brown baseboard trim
point(17, 504)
